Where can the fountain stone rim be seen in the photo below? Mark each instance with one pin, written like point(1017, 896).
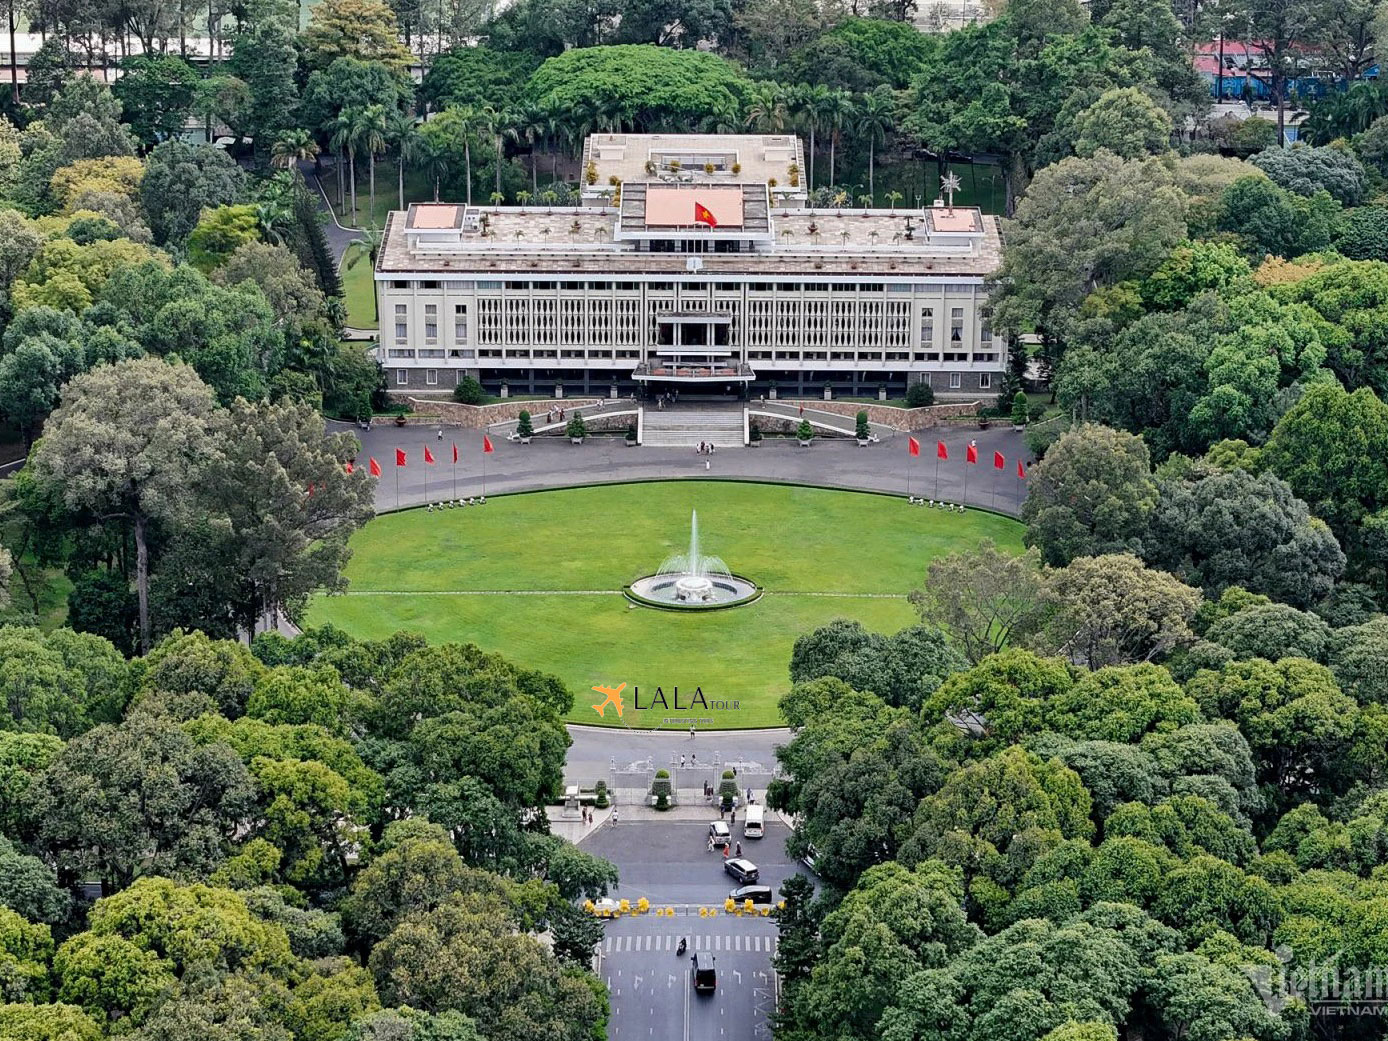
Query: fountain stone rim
point(636, 593)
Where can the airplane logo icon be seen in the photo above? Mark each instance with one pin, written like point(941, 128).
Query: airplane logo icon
point(613, 696)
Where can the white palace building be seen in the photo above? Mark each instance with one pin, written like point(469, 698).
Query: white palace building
point(692, 263)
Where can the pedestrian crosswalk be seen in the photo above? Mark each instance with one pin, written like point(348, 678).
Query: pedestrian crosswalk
point(726, 942)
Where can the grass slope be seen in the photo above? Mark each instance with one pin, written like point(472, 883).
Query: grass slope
point(820, 555)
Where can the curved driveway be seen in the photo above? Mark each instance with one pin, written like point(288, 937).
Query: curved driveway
point(552, 462)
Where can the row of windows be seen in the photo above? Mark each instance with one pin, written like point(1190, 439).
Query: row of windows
point(659, 287)
point(766, 323)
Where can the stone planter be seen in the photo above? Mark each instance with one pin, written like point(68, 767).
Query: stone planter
point(864, 442)
point(804, 444)
point(754, 444)
point(1017, 429)
point(576, 440)
point(524, 440)
point(630, 442)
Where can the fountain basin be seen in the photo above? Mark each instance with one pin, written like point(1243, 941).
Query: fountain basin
point(673, 591)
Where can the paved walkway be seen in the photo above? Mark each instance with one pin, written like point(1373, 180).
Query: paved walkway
point(555, 463)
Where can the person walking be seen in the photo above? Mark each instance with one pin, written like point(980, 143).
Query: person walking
point(691, 731)
point(725, 852)
point(739, 849)
point(710, 843)
point(682, 758)
point(614, 816)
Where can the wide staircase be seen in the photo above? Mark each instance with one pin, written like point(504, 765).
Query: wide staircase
point(685, 428)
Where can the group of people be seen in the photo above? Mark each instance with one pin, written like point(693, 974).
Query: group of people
point(666, 400)
point(727, 846)
point(705, 448)
point(549, 416)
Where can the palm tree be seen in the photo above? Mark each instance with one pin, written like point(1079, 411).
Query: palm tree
point(813, 102)
point(838, 113)
point(894, 197)
point(498, 123)
point(876, 117)
point(466, 118)
point(403, 134)
point(527, 127)
point(725, 119)
point(272, 215)
point(371, 241)
point(369, 128)
point(766, 108)
point(291, 148)
point(436, 158)
point(344, 137)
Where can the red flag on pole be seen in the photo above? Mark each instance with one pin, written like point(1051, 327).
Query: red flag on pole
point(703, 215)
point(913, 446)
point(972, 453)
point(429, 456)
point(941, 452)
point(1021, 470)
point(375, 468)
point(486, 444)
point(999, 463)
point(455, 451)
point(351, 466)
point(399, 457)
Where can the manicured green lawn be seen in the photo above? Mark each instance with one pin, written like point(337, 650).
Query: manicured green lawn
point(566, 554)
point(359, 290)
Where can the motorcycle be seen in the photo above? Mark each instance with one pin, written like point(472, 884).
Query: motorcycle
point(681, 948)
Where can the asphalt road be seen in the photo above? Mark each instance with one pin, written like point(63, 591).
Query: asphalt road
point(549, 462)
point(651, 989)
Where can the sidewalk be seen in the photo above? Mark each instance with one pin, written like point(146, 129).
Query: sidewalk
point(631, 808)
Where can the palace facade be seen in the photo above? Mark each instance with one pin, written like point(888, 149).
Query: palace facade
point(692, 263)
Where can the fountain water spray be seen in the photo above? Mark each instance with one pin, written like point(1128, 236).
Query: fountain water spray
point(693, 579)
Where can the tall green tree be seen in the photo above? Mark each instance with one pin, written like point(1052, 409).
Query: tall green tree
point(127, 443)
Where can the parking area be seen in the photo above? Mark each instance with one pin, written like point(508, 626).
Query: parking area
point(651, 988)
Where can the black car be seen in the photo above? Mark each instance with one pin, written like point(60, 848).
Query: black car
point(741, 869)
point(703, 973)
point(756, 894)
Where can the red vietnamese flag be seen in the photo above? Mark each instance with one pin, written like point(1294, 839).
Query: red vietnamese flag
point(972, 453)
point(941, 452)
point(486, 444)
point(455, 451)
point(703, 215)
point(913, 446)
point(351, 466)
point(428, 455)
point(999, 463)
point(399, 457)
point(375, 468)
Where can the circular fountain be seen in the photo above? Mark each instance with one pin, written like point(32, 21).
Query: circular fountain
point(693, 581)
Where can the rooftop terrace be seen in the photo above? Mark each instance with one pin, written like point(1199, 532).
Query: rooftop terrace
point(559, 239)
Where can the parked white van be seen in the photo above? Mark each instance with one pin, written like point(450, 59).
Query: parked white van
point(752, 827)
